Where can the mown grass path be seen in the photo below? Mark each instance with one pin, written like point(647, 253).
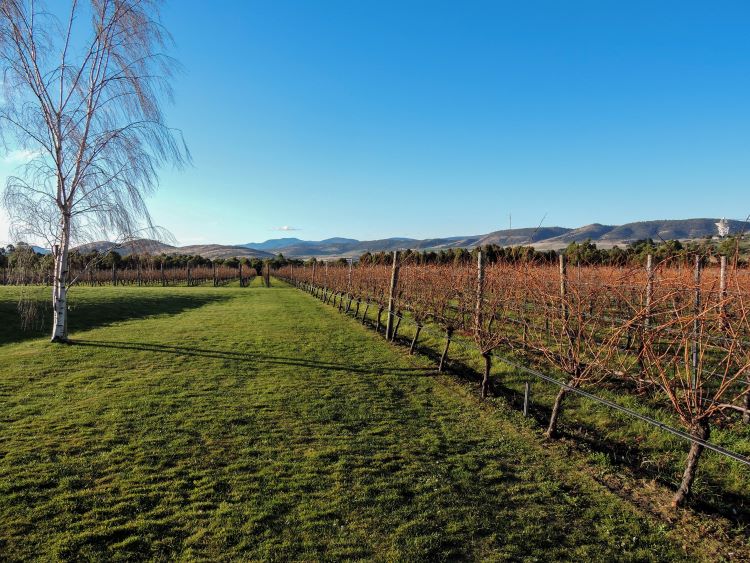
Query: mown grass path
point(259, 423)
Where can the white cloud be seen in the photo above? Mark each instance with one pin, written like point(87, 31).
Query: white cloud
point(20, 156)
point(285, 228)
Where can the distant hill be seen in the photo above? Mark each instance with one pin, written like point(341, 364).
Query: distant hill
point(685, 229)
point(283, 244)
point(148, 246)
point(274, 243)
point(141, 246)
point(212, 251)
point(527, 236)
point(594, 231)
point(542, 238)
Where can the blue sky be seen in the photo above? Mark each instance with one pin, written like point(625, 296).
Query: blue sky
point(373, 119)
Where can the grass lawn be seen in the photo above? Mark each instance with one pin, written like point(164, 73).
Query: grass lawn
point(216, 423)
point(614, 443)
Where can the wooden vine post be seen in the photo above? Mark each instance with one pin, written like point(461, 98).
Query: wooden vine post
point(723, 292)
point(649, 291)
point(392, 297)
point(564, 288)
point(696, 324)
point(486, 355)
point(349, 279)
point(557, 406)
point(648, 306)
point(479, 296)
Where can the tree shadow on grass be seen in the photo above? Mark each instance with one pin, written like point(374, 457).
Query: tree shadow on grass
point(89, 311)
point(255, 359)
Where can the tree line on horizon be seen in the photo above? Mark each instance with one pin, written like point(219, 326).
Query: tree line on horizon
point(586, 253)
point(22, 255)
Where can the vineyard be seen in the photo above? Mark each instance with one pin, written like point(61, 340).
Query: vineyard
point(665, 340)
point(216, 275)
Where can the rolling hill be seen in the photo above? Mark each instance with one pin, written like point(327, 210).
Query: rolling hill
point(143, 246)
point(542, 238)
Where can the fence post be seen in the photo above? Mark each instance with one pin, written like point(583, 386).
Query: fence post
point(723, 291)
point(163, 279)
point(349, 280)
point(114, 275)
point(564, 288)
point(189, 281)
point(557, 405)
point(480, 295)
point(392, 297)
point(696, 322)
point(241, 275)
point(649, 290)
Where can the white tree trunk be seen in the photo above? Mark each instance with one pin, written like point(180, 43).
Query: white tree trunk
point(59, 286)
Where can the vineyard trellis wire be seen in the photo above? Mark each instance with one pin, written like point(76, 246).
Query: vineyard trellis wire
point(680, 334)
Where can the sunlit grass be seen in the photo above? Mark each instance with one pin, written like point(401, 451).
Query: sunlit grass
point(259, 423)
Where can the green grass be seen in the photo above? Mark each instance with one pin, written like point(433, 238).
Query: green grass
point(618, 442)
point(217, 423)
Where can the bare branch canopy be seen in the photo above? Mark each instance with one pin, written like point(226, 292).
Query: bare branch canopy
point(83, 88)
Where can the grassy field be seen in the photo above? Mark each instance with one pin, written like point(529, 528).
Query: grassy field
point(217, 423)
point(615, 443)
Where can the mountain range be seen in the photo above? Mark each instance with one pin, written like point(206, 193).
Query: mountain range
point(542, 238)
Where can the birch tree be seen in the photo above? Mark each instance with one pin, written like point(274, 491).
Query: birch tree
point(83, 88)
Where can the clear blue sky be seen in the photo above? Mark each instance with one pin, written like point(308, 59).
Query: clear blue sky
point(371, 119)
